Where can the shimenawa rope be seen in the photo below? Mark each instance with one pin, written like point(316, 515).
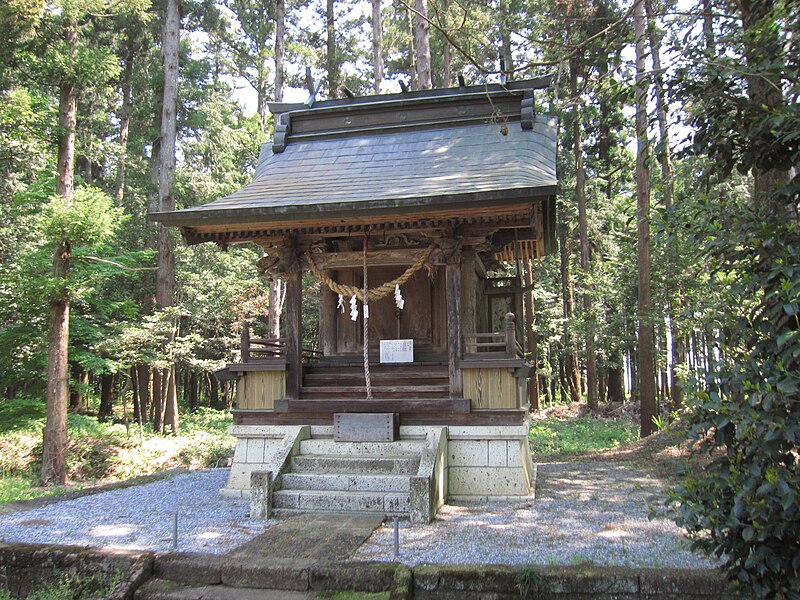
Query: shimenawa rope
point(376, 293)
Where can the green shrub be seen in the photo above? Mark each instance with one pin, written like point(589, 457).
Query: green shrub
point(745, 506)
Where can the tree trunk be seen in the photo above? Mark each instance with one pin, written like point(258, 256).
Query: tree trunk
point(665, 158)
point(171, 403)
point(144, 388)
point(423, 45)
point(192, 385)
point(165, 275)
point(646, 362)
point(571, 372)
point(157, 406)
point(447, 51)
point(214, 393)
point(106, 409)
point(377, 44)
point(54, 443)
point(331, 57)
point(280, 47)
point(580, 194)
point(616, 381)
point(412, 53)
point(74, 392)
point(124, 125)
point(506, 57)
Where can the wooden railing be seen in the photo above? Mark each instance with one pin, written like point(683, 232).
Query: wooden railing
point(502, 344)
point(265, 349)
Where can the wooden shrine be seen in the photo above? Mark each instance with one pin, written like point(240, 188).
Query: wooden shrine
point(425, 195)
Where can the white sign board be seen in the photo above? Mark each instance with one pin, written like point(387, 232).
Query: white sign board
point(397, 351)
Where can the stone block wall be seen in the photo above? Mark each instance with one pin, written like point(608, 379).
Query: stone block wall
point(489, 463)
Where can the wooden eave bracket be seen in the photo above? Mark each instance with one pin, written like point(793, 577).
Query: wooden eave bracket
point(527, 111)
point(283, 128)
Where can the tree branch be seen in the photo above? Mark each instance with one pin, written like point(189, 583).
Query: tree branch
point(114, 264)
point(551, 63)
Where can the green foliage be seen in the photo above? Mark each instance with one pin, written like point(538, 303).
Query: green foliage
point(71, 586)
point(102, 450)
point(89, 218)
point(20, 413)
point(552, 437)
point(745, 506)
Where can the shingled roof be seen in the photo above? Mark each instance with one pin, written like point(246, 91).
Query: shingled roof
point(427, 150)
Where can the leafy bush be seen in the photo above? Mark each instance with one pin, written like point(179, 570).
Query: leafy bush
point(745, 506)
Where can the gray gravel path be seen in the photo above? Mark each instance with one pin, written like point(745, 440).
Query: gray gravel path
point(140, 517)
point(584, 513)
point(587, 512)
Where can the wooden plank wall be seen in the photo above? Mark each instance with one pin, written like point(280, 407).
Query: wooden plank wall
point(258, 390)
point(490, 388)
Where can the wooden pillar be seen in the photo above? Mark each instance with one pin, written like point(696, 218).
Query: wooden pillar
point(327, 318)
point(453, 301)
point(294, 333)
point(469, 283)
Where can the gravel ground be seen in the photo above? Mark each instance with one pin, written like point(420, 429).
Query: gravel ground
point(140, 517)
point(584, 513)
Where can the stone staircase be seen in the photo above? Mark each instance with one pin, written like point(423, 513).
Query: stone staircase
point(366, 477)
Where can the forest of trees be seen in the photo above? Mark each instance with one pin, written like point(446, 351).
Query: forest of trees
point(677, 281)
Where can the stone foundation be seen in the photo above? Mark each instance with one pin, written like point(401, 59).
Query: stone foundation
point(482, 463)
point(489, 463)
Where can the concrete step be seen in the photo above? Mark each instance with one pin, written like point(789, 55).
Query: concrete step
point(347, 501)
point(328, 446)
point(349, 465)
point(344, 483)
point(160, 589)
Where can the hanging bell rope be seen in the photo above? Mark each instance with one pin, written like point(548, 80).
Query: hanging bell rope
point(367, 376)
point(376, 293)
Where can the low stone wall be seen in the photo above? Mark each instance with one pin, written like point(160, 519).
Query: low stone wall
point(474, 582)
point(27, 567)
point(24, 568)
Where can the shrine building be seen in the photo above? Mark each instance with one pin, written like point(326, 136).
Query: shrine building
point(405, 208)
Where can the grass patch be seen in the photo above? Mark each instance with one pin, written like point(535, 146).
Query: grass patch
point(103, 452)
point(579, 435)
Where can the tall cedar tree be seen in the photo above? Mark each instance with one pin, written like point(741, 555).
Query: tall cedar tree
point(647, 392)
point(54, 443)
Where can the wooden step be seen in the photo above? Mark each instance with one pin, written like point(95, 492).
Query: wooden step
point(360, 391)
point(358, 369)
point(379, 378)
point(359, 405)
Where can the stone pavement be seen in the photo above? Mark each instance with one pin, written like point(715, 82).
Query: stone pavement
point(329, 537)
point(288, 561)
